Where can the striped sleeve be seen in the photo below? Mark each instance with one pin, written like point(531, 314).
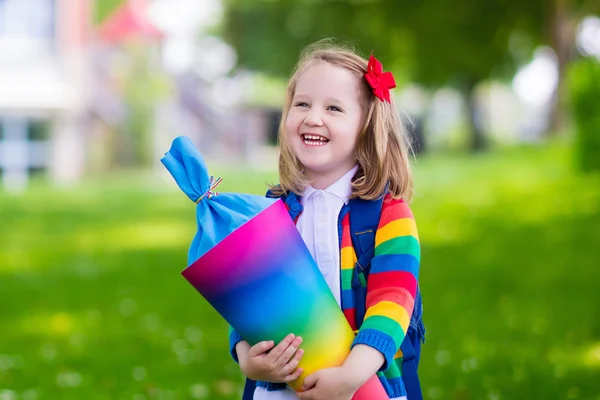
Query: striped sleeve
point(392, 281)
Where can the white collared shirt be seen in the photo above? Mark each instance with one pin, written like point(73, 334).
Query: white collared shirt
point(318, 226)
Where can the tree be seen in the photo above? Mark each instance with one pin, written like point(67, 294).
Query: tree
point(104, 8)
point(561, 36)
point(268, 35)
point(433, 42)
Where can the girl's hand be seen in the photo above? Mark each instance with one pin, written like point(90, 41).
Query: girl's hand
point(267, 362)
point(329, 384)
point(341, 383)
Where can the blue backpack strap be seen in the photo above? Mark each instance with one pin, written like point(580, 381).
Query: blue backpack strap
point(411, 351)
point(249, 388)
point(270, 195)
point(292, 202)
point(364, 220)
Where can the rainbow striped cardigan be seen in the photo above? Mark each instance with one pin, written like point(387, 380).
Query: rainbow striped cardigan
point(391, 287)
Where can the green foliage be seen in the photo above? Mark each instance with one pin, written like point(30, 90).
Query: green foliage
point(269, 35)
point(144, 85)
point(93, 306)
point(435, 42)
point(104, 8)
point(584, 85)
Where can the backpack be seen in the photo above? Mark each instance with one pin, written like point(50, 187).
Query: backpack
point(364, 220)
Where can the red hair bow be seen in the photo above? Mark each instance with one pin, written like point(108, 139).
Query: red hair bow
point(380, 81)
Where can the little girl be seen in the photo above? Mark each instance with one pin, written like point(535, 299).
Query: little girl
point(341, 139)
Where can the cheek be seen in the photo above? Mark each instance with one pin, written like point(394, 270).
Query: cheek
point(351, 131)
point(351, 138)
point(291, 124)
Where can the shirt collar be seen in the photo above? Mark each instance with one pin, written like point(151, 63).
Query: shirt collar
point(341, 188)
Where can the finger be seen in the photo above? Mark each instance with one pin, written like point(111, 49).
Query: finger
point(293, 363)
point(288, 353)
point(305, 395)
point(281, 347)
point(260, 348)
point(310, 381)
point(293, 376)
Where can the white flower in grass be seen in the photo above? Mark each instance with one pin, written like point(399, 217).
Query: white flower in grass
point(170, 333)
point(435, 392)
point(165, 395)
point(470, 364)
point(8, 395)
point(199, 391)
point(77, 340)
point(493, 396)
point(186, 358)
point(442, 357)
point(139, 373)
point(128, 307)
point(17, 360)
point(48, 351)
point(152, 322)
point(193, 334)
point(6, 362)
point(30, 394)
point(179, 346)
point(68, 379)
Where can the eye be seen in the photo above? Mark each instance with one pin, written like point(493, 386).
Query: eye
point(335, 108)
point(301, 104)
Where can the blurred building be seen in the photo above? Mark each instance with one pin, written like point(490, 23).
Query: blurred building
point(154, 63)
point(44, 72)
point(69, 91)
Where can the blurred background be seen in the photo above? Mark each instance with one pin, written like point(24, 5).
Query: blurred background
point(502, 102)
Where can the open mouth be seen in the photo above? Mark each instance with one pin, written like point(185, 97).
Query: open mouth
point(314, 140)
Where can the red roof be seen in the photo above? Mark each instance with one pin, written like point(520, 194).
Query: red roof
point(129, 20)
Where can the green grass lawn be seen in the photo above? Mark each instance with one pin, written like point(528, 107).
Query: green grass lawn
point(92, 304)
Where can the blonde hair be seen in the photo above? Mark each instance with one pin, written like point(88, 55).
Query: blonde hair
point(382, 148)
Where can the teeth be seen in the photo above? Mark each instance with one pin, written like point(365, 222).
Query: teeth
point(313, 137)
point(314, 142)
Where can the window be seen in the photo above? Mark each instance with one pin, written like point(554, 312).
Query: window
point(38, 130)
point(25, 144)
point(36, 172)
point(38, 134)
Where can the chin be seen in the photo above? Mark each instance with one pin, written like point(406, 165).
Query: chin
point(314, 164)
point(316, 168)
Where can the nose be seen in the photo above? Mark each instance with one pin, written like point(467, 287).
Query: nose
point(313, 118)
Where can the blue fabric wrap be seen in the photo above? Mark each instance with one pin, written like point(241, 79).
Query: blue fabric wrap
point(217, 216)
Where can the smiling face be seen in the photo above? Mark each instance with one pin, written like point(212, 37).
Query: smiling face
point(324, 121)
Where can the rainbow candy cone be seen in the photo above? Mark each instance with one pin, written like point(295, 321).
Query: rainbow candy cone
point(264, 282)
